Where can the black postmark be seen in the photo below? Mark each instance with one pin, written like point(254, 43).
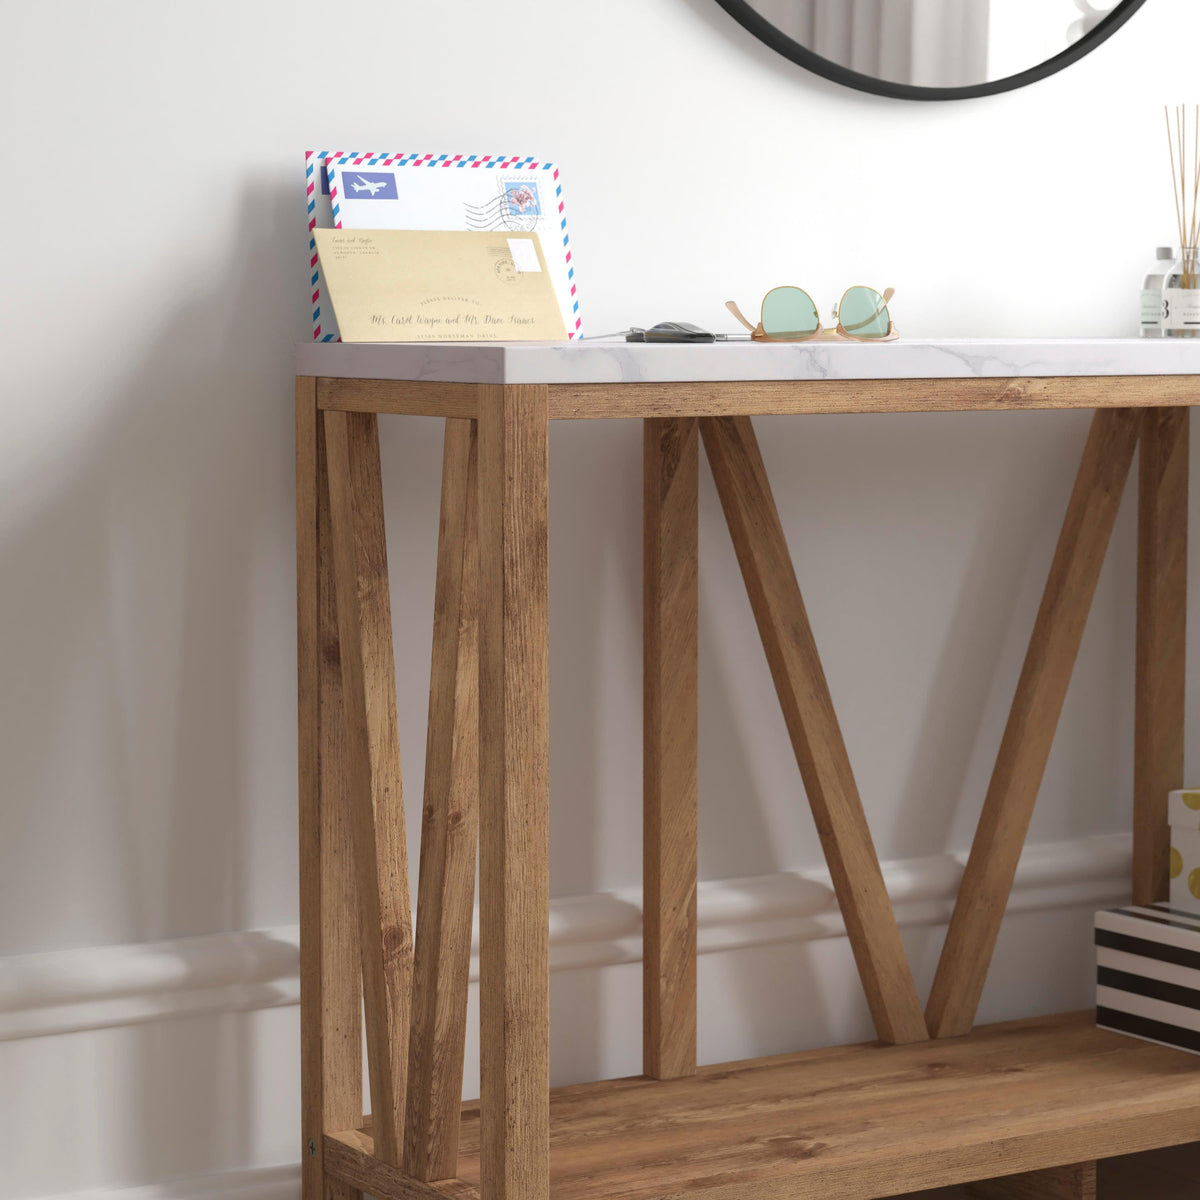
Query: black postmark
point(506, 271)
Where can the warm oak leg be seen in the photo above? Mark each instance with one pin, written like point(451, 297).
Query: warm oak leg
point(372, 763)
point(816, 737)
point(514, 723)
point(1074, 1182)
point(1025, 747)
point(1161, 642)
point(669, 648)
point(330, 996)
point(446, 891)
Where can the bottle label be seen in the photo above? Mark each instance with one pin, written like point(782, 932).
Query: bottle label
point(1181, 308)
point(1152, 303)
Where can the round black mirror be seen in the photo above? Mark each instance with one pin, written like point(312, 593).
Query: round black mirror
point(933, 49)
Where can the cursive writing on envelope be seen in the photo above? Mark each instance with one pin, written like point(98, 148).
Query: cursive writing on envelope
point(401, 285)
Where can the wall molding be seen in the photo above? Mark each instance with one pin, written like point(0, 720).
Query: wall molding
point(100, 987)
point(260, 1183)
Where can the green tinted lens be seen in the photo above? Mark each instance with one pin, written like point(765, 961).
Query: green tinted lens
point(788, 312)
point(863, 313)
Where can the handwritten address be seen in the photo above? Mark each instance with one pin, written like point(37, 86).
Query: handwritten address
point(457, 321)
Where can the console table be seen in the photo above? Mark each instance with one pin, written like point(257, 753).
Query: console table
point(935, 1101)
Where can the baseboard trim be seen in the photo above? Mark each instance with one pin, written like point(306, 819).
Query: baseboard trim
point(101, 987)
point(261, 1183)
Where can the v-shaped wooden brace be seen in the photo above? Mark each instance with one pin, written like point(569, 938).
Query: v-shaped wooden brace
point(1032, 721)
point(372, 761)
point(762, 552)
point(415, 1014)
point(820, 751)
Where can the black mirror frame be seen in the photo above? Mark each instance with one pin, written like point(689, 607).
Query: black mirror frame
point(746, 16)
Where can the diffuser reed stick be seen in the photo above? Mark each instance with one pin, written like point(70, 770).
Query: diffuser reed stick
point(1185, 187)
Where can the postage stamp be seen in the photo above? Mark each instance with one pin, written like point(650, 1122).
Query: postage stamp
point(521, 198)
point(517, 207)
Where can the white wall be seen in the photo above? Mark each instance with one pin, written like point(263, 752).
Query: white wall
point(154, 286)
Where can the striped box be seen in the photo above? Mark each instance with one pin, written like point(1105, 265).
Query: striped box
point(1148, 974)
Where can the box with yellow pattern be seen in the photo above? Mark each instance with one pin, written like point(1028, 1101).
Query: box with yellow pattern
point(1183, 811)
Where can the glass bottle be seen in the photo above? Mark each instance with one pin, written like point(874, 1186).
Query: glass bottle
point(1181, 295)
point(1152, 299)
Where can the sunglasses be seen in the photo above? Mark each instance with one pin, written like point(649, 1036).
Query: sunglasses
point(789, 315)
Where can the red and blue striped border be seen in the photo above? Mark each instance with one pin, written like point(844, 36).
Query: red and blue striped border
point(368, 158)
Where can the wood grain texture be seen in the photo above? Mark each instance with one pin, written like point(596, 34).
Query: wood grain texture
point(376, 799)
point(330, 995)
point(450, 825)
point(862, 1122)
point(750, 398)
point(400, 397)
point(768, 397)
point(1161, 643)
point(670, 652)
point(351, 1159)
point(514, 726)
point(1025, 747)
point(791, 649)
point(1074, 1182)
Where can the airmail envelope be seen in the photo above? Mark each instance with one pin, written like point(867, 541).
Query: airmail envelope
point(499, 195)
point(403, 285)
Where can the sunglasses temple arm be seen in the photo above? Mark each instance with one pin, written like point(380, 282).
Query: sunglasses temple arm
point(737, 312)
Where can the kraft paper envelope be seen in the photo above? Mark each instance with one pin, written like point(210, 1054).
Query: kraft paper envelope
point(404, 285)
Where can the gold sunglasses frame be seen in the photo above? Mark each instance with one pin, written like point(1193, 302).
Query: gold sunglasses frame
point(758, 334)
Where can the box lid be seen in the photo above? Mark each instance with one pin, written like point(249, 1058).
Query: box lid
point(1162, 923)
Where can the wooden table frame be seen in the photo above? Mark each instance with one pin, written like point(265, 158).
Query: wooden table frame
point(487, 779)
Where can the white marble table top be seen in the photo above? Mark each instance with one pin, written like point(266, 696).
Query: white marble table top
point(625, 362)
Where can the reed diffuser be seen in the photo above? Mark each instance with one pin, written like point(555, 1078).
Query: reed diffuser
point(1181, 285)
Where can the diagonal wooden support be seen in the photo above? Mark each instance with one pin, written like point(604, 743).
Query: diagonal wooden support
point(669, 654)
point(816, 737)
point(449, 830)
point(1074, 1182)
point(1161, 643)
point(372, 763)
point(1041, 690)
point(330, 992)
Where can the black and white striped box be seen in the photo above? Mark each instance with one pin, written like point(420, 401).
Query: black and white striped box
point(1148, 974)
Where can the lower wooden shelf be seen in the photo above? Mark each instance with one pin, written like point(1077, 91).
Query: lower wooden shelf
point(856, 1122)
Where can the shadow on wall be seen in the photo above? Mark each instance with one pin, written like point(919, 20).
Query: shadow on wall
point(141, 610)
